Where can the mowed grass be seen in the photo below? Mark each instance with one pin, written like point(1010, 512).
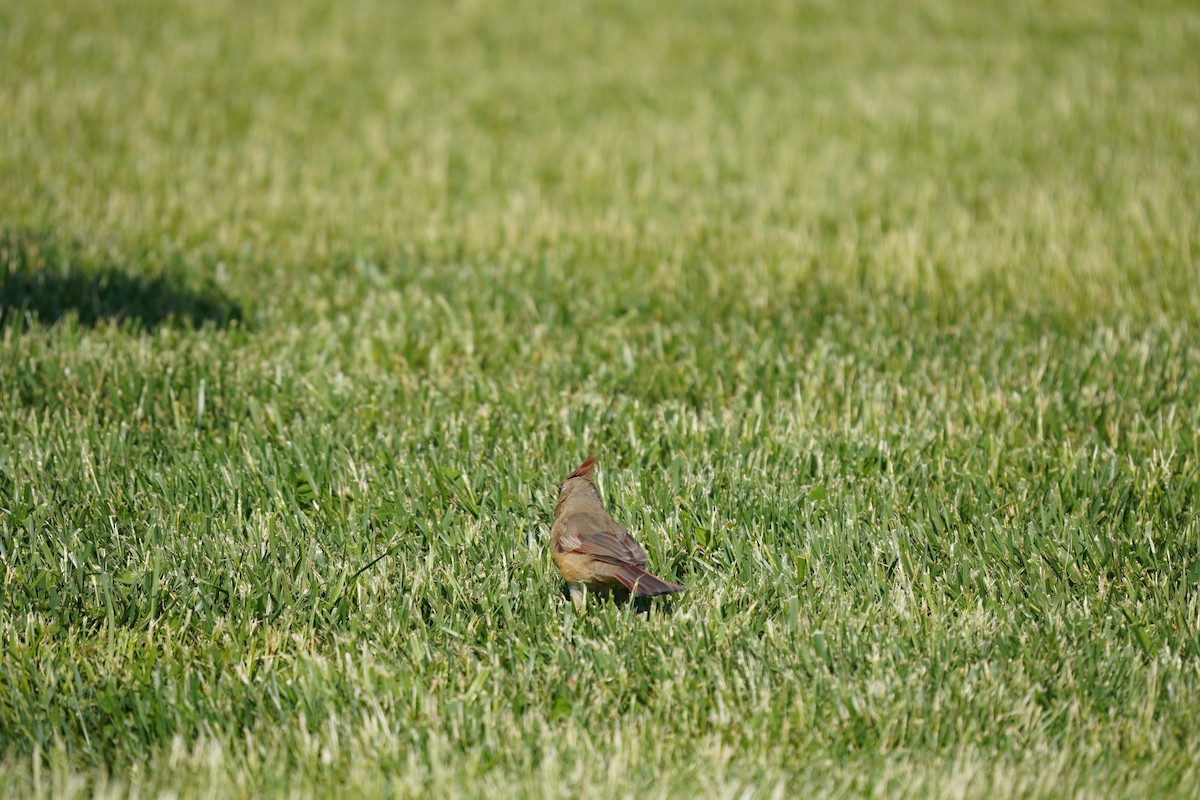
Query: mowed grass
point(881, 319)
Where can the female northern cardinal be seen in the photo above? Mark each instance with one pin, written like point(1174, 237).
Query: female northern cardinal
point(591, 550)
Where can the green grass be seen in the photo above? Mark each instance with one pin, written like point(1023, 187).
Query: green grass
point(882, 320)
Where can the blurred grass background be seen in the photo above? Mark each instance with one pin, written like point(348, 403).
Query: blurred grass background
point(881, 318)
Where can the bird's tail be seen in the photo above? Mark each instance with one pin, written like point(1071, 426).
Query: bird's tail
point(643, 584)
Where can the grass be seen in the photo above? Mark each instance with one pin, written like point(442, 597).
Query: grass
point(882, 321)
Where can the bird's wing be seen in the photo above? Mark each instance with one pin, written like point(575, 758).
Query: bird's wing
point(608, 543)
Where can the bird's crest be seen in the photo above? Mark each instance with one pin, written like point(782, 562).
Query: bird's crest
point(584, 470)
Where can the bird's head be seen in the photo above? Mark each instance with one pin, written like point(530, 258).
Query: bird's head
point(579, 480)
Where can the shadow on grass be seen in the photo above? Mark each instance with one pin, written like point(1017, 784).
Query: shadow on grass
point(46, 280)
point(642, 605)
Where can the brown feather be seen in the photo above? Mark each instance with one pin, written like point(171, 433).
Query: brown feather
point(584, 470)
point(642, 583)
point(612, 547)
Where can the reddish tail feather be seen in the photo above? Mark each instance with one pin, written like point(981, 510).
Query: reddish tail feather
point(643, 584)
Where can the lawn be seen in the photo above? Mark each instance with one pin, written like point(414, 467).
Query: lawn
point(882, 320)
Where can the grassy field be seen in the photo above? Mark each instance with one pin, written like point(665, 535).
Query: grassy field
point(882, 319)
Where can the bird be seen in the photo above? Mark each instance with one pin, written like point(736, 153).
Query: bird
point(594, 553)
